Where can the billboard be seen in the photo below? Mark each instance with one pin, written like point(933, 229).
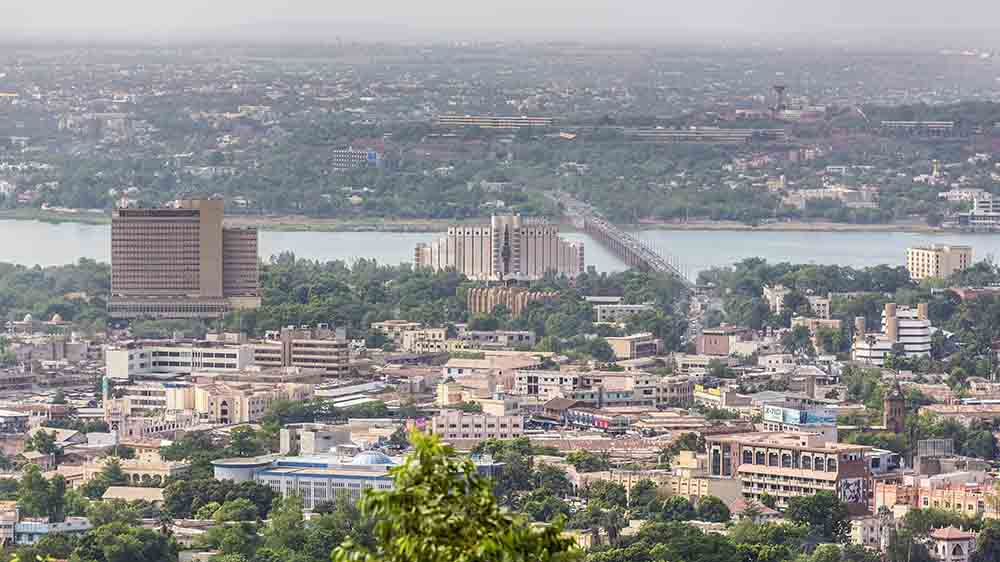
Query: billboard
point(796, 416)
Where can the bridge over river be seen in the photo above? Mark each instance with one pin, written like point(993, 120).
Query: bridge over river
point(633, 251)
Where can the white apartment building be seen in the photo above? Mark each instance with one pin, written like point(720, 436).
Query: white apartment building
point(902, 325)
point(145, 357)
point(426, 340)
point(615, 313)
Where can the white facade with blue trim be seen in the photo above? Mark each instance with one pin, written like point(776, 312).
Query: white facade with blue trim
point(319, 479)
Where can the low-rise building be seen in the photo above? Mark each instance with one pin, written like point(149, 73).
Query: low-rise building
point(952, 545)
point(721, 341)
point(320, 479)
point(451, 425)
point(306, 347)
point(124, 361)
point(394, 329)
point(617, 313)
point(496, 339)
point(425, 340)
point(635, 346)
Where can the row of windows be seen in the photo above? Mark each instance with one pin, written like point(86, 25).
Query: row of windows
point(788, 461)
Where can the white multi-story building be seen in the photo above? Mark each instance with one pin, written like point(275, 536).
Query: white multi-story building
point(319, 479)
point(145, 357)
point(904, 329)
point(619, 312)
point(985, 214)
point(508, 248)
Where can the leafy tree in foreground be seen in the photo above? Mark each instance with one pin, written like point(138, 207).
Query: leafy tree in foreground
point(441, 510)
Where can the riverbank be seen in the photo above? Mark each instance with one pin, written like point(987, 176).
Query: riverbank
point(793, 226)
point(301, 223)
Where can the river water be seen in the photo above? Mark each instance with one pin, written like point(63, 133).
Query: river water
point(40, 243)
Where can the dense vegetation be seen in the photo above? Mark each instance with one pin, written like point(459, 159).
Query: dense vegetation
point(77, 293)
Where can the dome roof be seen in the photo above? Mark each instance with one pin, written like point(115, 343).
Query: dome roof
point(56, 318)
point(371, 458)
point(27, 318)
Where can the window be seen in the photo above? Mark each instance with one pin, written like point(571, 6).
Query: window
point(772, 459)
point(748, 457)
point(819, 464)
point(807, 463)
point(760, 457)
point(831, 466)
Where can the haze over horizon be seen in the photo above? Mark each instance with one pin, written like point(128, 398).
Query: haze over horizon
point(515, 19)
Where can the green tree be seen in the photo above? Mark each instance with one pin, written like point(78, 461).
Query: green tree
point(114, 511)
point(677, 508)
point(42, 441)
point(607, 494)
point(285, 531)
point(244, 442)
point(988, 544)
point(823, 512)
point(642, 494)
point(117, 542)
point(33, 493)
point(441, 510)
point(798, 341)
point(208, 510)
point(57, 499)
point(711, 508)
point(586, 461)
point(240, 509)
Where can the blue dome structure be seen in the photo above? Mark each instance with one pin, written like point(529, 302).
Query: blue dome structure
point(371, 458)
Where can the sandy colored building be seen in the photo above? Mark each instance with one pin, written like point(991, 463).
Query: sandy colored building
point(924, 262)
point(484, 300)
point(508, 248)
point(635, 346)
point(180, 262)
point(787, 465)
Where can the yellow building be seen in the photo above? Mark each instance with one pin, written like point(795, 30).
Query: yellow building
point(924, 262)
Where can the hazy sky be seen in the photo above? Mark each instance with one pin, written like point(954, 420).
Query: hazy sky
point(583, 17)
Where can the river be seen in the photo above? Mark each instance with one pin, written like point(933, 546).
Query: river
point(40, 243)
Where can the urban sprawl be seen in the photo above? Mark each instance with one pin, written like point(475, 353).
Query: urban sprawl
point(195, 400)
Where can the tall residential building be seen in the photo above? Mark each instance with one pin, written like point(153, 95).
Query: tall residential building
point(509, 248)
point(904, 329)
point(936, 260)
point(180, 262)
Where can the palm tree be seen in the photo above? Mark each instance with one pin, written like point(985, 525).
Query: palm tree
point(613, 521)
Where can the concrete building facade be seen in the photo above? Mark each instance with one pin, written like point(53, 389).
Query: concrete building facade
point(509, 248)
point(180, 262)
point(925, 262)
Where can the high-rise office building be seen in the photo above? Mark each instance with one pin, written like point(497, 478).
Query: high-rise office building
point(509, 248)
point(180, 262)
